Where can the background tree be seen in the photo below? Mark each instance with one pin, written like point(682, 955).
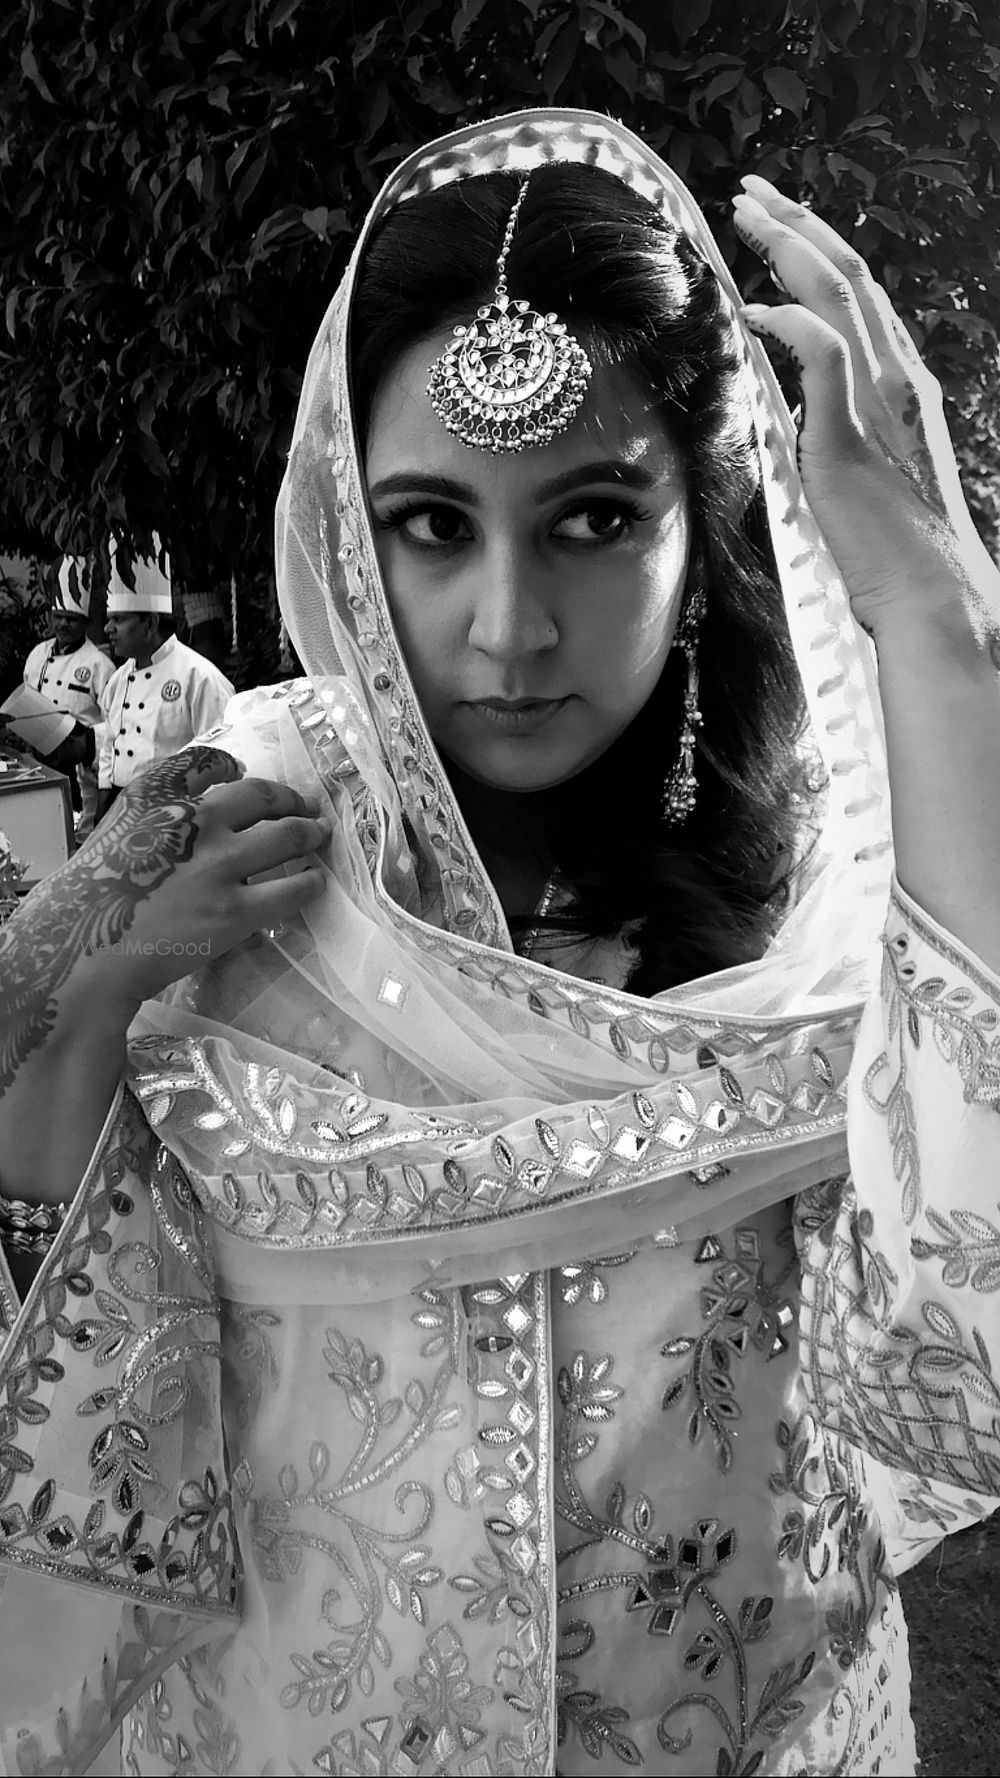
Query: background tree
point(180, 181)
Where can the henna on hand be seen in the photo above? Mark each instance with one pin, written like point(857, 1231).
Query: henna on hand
point(91, 902)
point(917, 461)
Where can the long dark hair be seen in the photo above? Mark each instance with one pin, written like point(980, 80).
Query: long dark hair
point(635, 291)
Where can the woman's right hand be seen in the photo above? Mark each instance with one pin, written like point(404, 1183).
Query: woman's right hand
point(161, 887)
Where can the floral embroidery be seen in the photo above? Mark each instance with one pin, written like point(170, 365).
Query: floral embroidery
point(150, 1642)
point(969, 1245)
point(583, 1282)
point(352, 1182)
point(598, 1725)
point(674, 1572)
point(920, 1399)
point(866, 1702)
point(897, 1109)
point(921, 1373)
point(916, 1388)
point(831, 1524)
point(742, 1310)
point(189, 1555)
point(776, 1707)
point(219, 1746)
point(441, 1692)
point(9, 1304)
point(658, 1039)
point(817, 1209)
point(966, 1039)
point(380, 1574)
point(374, 1567)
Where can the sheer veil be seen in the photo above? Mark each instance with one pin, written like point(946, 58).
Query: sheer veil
point(334, 605)
point(397, 1004)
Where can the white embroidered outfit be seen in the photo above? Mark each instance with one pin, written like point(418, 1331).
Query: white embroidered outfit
point(451, 1364)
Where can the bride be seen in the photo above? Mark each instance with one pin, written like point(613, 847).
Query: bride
point(499, 1139)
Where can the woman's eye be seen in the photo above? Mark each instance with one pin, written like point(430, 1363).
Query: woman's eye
point(600, 521)
point(430, 525)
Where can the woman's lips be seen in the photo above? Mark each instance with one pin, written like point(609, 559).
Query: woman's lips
point(516, 715)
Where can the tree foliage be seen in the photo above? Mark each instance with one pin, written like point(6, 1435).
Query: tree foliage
point(180, 181)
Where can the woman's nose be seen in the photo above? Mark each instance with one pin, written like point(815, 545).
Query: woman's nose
point(512, 616)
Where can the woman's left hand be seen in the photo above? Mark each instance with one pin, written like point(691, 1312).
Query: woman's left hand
point(875, 457)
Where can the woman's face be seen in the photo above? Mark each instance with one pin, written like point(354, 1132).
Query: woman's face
point(536, 594)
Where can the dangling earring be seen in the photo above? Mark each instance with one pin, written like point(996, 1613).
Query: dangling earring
point(680, 788)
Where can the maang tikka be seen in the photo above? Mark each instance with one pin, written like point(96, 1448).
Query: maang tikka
point(513, 377)
point(680, 788)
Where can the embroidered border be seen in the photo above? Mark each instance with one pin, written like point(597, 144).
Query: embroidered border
point(370, 1195)
point(188, 1560)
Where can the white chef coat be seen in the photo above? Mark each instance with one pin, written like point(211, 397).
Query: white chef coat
point(151, 712)
point(74, 682)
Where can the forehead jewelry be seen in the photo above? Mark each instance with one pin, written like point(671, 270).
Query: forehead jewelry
point(512, 377)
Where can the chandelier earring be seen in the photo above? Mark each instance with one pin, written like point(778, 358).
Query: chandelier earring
point(680, 788)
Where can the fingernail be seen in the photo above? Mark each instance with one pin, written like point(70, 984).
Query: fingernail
point(751, 206)
point(751, 179)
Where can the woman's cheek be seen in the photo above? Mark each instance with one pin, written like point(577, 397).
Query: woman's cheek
point(642, 635)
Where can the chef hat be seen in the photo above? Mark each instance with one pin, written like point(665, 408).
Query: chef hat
point(73, 596)
point(150, 590)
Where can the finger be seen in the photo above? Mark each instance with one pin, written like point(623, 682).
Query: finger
point(823, 361)
point(273, 843)
point(252, 800)
point(267, 904)
point(894, 390)
point(895, 331)
point(888, 335)
point(807, 275)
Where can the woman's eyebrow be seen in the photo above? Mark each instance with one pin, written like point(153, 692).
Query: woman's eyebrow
point(445, 487)
point(602, 469)
point(419, 481)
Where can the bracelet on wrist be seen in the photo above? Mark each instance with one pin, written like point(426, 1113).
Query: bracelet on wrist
point(30, 1228)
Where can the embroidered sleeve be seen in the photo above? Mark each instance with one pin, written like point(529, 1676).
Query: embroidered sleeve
point(901, 1268)
point(116, 1542)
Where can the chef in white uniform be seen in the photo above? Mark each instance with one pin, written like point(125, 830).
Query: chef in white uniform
point(163, 694)
point(72, 672)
